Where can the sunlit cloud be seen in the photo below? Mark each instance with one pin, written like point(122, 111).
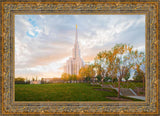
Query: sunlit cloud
point(43, 43)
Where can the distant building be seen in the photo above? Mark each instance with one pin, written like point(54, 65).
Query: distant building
point(52, 80)
point(47, 80)
point(74, 63)
point(35, 82)
point(57, 80)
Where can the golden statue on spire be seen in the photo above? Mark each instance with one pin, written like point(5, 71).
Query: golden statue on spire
point(76, 26)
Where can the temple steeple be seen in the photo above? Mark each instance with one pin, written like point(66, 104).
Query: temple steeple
point(76, 51)
point(76, 40)
point(74, 64)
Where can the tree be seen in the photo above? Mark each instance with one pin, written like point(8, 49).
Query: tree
point(103, 63)
point(142, 67)
point(120, 60)
point(88, 79)
point(19, 80)
point(27, 81)
point(65, 76)
point(87, 72)
point(91, 71)
point(138, 75)
point(100, 66)
point(33, 79)
point(74, 77)
point(42, 81)
point(79, 78)
point(99, 78)
point(126, 58)
point(107, 79)
point(70, 78)
point(126, 77)
point(82, 72)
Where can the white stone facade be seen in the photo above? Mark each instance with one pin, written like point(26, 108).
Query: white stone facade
point(74, 63)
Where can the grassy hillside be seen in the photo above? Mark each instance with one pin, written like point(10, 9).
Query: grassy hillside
point(61, 92)
point(64, 92)
point(131, 85)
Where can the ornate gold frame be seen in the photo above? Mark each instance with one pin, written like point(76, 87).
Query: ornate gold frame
point(10, 9)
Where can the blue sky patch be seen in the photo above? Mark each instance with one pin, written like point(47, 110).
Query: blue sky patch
point(31, 35)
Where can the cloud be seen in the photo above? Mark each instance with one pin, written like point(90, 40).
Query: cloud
point(45, 42)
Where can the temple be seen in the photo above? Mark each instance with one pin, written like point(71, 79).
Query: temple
point(75, 62)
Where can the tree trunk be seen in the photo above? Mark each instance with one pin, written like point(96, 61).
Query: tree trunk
point(143, 82)
point(118, 87)
point(102, 82)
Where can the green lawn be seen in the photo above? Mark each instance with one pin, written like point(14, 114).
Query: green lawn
point(131, 85)
point(61, 92)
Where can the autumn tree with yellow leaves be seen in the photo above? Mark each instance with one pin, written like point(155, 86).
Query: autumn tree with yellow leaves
point(65, 76)
point(100, 65)
point(87, 72)
point(119, 61)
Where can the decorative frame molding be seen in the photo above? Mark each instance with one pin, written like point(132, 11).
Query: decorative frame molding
point(149, 9)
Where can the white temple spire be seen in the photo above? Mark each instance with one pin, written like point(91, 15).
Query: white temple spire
point(76, 40)
point(74, 64)
point(76, 51)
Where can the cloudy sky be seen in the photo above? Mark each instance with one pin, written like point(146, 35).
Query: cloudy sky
point(43, 43)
